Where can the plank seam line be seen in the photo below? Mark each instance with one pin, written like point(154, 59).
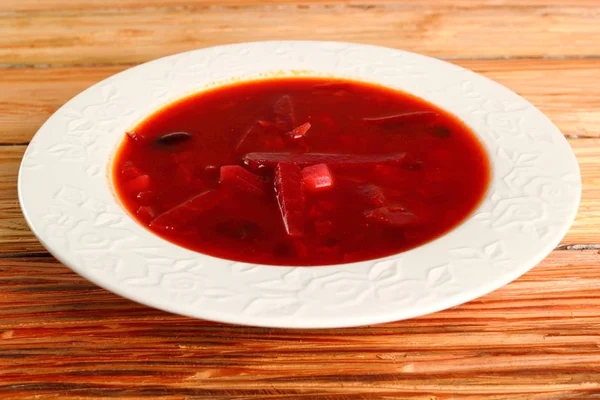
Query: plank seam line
point(584, 9)
point(271, 7)
point(14, 144)
point(41, 254)
point(578, 247)
point(523, 57)
point(562, 247)
point(446, 58)
point(569, 136)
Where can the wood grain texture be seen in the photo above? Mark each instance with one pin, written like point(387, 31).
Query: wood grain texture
point(62, 337)
point(56, 5)
point(14, 232)
point(16, 237)
point(537, 338)
point(562, 89)
point(136, 35)
point(585, 228)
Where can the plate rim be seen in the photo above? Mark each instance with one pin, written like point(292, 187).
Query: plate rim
point(271, 318)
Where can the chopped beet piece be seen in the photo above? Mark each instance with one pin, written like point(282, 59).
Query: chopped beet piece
point(266, 124)
point(284, 114)
point(145, 196)
point(239, 178)
point(250, 132)
point(392, 216)
point(260, 160)
point(288, 188)
point(299, 131)
point(146, 213)
point(404, 118)
point(211, 173)
point(187, 211)
point(372, 194)
point(317, 177)
point(173, 138)
point(128, 172)
point(136, 137)
point(139, 184)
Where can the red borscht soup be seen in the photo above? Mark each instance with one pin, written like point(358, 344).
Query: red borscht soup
point(300, 171)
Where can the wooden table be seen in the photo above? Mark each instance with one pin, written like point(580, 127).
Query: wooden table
point(62, 337)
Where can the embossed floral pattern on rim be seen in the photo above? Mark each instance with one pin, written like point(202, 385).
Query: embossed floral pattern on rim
point(68, 202)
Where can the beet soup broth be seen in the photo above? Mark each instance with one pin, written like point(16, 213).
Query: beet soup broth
point(300, 171)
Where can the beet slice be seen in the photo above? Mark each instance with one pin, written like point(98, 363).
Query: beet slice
point(212, 173)
point(239, 178)
point(404, 118)
point(145, 213)
point(187, 211)
point(317, 177)
point(139, 184)
point(257, 161)
point(129, 171)
point(250, 132)
point(288, 189)
point(285, 118)
point(299, 131)
point(266, 124)
point(372, 194)
point(392, 216)
point(145, 197)
point(136, 137)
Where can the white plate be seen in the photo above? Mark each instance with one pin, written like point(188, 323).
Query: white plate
point(68, 202)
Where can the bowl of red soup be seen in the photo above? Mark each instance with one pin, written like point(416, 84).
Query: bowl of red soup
point(299, 184)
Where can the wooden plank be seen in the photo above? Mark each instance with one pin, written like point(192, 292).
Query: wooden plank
point(29, 96)
point(585, 228)
point(53, 5)
point(15, 235)
point(537, 338)
point(16, 238)
point(113, 36)
point(560, 88)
